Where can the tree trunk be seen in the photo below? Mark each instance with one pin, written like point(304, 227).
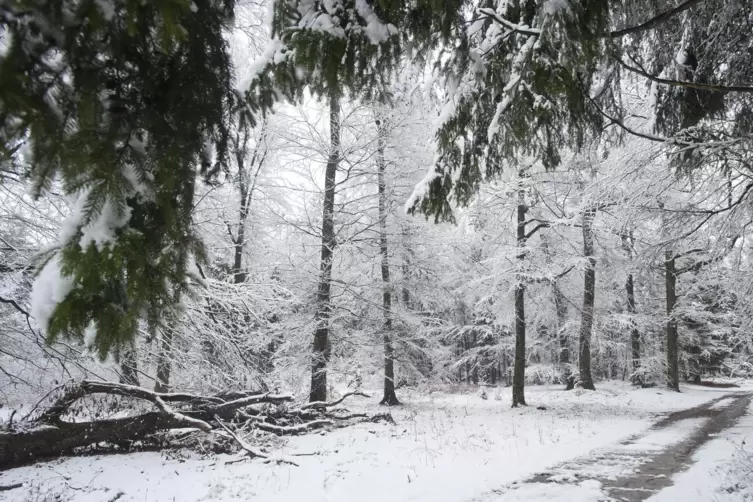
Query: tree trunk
point(239, 275)
point(560, 306)
point(585, 380)
point(389, 398)
point(129, 374)
point(320, 355)
point(405, 293)
point(164, 363)
point(246, 187)
point(670, 281)
point(635, 336)
point(26, 446)
point(519, 369)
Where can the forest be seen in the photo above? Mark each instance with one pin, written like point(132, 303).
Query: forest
point(226, 224)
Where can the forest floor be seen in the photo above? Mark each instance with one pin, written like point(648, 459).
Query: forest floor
point(618, 443)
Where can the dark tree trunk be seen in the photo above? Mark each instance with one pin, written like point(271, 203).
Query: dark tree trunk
point(246, 187)
point(670, 281)
point(405, 293)
point(164, 361)
point(635, 336)
point(585, 380)
point(560, 305)
point(389, 398)
point(49, 435)
point(20, 447)
point(519, 369)
point(320, 355)
point(239, 275)
point(129, 373)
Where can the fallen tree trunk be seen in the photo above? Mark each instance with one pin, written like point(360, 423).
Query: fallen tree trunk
point(49, 434)
point(24, 446)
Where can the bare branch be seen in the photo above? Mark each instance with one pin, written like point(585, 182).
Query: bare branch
point(654, 21)
point(683, 83)
point(324, 404)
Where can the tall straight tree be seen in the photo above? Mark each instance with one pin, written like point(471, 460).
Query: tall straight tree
point(389, 398)
point(585, 380)
point(627, 240)
point(320, 355)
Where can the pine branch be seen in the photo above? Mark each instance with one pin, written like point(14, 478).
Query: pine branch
point(517, 28)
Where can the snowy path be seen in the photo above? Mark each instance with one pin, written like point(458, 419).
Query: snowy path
point(445, 447)
point(639, 467)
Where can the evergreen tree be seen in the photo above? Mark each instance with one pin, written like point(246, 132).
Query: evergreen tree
point(127, 103)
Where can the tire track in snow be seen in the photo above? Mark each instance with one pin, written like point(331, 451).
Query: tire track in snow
point(636, 468)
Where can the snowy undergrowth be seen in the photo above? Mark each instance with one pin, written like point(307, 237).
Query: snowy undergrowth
point(445, 447)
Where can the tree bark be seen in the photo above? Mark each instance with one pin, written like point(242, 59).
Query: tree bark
point(320, 355)
point(585, 380)
point(246, 187)
point(405, 293)
point(519, 369)
point(164, 365)
point(670, 281)
point(50, 435)
point(560, 306)
point(129, 374)
point(21, 447)
point(389, 398)
point(635, 336)
point(239, 275)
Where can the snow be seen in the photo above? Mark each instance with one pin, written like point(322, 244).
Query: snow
point(107, 8)
point(445, 447)
point(49, 289)
point(658, 440)
point(421, 189)
point(682, 57)
point(553, 7)
point(101, 230)
point(273, 53)
point(723, 469)
point(72, 222)
point(509, 90)
point(586, 491)
point(130, 174)
point(376, 31)
point(722, 404)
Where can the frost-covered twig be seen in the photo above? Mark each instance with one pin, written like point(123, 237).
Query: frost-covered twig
point(293, 429)
point(324, 404)
point(250, 400)
point(250, 450)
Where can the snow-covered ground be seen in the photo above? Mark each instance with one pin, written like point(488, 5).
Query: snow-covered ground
point(723, 469)
point(444, 447)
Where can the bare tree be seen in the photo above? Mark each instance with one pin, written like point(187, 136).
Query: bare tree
point(585, 380)
point(389, 398)
point(320, 354)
